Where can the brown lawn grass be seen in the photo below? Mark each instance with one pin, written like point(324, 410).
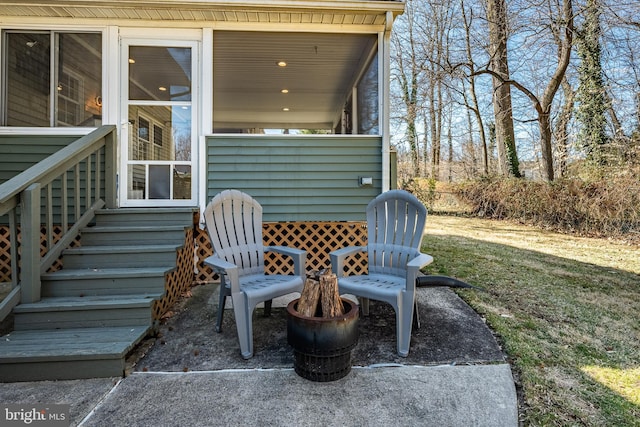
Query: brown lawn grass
point(565, 308)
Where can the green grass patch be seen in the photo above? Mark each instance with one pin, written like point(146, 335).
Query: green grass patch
point(565, 308)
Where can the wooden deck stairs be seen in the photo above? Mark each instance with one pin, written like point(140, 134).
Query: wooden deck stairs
point(95, 310)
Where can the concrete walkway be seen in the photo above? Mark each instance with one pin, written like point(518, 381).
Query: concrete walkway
point(455, 375)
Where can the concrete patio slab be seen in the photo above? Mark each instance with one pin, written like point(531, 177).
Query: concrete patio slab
point(387, 396)
point(455, 375)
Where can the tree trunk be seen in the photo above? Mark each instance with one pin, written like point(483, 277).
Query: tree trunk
point(475, 107)
point(450, 147)
point(544, 107)
point(562, 127)
point(505, 136)
point(435, 142)
point(412, 136)
point(544, 122)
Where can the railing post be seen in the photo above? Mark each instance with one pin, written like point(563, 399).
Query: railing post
point(110, 169)
point(393, 169)
point(30, 257)
point(13, 238)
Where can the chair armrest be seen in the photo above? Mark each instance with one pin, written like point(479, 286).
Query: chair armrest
point(413, 268)
point(224, 267)
point(285, 250)
point(298, 255)
point(219, 264)
point(338, 256)
point(420, 261)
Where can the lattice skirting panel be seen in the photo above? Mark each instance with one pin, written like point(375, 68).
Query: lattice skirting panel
point(5, 254)
point(177, 281)
point(317, 238)
point(7, 247)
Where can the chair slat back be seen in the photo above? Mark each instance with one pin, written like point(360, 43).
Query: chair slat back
point(395, 225)
point(234, 224)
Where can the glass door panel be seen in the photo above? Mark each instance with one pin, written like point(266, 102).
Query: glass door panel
point(160, 125)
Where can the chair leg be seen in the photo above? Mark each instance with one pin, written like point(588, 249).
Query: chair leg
point(222, 300)
point(243, 312)
point(365, 306)
point(416, 315)
point(404, 319)
point(267, 308)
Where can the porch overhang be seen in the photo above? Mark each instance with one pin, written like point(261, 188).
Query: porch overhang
point(354, 12)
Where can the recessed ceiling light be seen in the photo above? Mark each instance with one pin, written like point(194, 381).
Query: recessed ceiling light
point(285, 91)
point(281, 64)
point(285, 109)
point(162, 89)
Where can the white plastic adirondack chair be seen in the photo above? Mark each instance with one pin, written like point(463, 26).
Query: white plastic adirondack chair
point(395, 225)
point(234, 224)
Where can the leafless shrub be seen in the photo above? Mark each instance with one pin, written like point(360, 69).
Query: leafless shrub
point(605, 208)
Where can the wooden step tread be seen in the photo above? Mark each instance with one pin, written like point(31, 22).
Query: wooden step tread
point(155, 210)
point(107, 273)
point(121, 249)
point(132, 228)
point(77, 344)
point(95, 302)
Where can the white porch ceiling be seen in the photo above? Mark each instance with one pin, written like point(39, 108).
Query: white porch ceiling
point(320, 71)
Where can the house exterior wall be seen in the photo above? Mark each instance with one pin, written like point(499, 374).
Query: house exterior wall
point(19, 152)
point(319, 174)
point(298, 178)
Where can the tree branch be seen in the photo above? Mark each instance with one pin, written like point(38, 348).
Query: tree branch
point(514, 83)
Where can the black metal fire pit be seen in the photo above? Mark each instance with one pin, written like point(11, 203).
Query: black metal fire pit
point(322, 346)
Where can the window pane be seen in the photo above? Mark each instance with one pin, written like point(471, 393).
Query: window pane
point(160, 133)
point(79, 85)
point(182, 182)
point(159, 181)
point(137, 182)
point(28, 82)
point(368, 101)
point(159, 73)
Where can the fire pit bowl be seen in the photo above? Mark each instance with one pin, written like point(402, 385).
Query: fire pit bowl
point(322, 346)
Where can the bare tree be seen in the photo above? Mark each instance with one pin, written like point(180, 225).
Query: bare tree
point(591, 94)
point(562, 136)
point(542, 104)
point(473, 105)
point(498, 35)
point(562, 127)
point(621, 68)
point(407, 71)
point(444, 110)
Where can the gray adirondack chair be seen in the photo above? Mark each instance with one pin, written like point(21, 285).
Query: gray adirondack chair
point(395, 224)
point(234, 223)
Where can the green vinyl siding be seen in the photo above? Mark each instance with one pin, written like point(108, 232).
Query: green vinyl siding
point(298, 177)
point(18, 153)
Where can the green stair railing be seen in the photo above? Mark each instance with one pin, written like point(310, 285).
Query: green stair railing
point(64, 189)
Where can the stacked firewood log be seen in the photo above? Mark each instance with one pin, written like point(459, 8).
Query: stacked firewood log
point(320, 296)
